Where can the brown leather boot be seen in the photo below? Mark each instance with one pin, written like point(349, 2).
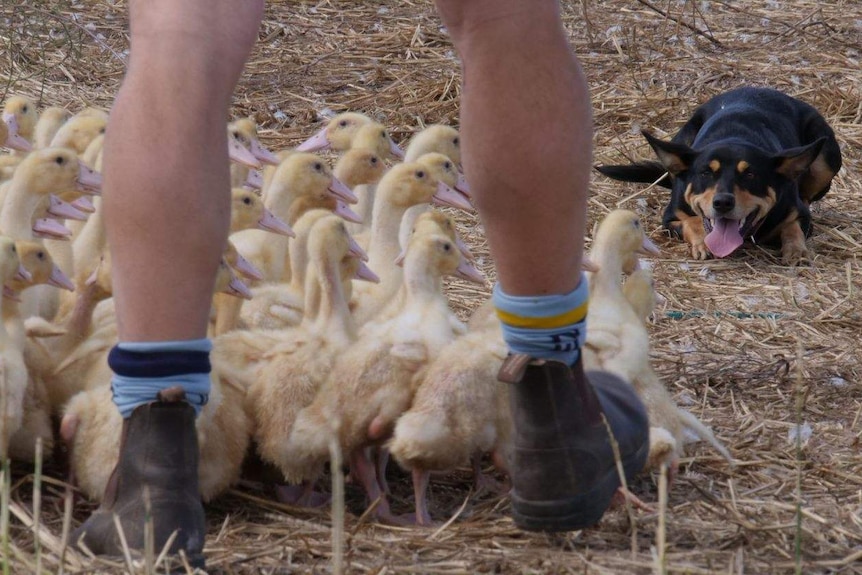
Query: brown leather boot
point(563, 469)
point(158, 459)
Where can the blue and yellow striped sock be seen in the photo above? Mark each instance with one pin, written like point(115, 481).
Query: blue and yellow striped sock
point(548, 327)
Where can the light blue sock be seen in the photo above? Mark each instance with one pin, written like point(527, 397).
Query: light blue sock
point(548, 327)
point(143, 369)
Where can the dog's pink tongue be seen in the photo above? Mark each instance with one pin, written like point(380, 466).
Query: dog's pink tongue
point(724, 237)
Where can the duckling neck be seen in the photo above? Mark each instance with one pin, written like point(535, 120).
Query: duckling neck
point(610, 263)
point(383, 246)
point(16, 216)
point(11, 324)
point(332, 315)
point(80, 319)
point(278, 199)
point(420, 284)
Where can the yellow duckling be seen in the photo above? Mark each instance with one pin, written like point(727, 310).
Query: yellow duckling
point(20, 116)
point(373, 381)
point(291, 374)
point(79, 131)
point(403, 186)
point(337, 135)
point(50, 120)
point(14, 373)
point(244, 132)
point(36, 418)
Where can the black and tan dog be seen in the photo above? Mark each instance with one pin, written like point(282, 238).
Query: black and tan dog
point(746, 165)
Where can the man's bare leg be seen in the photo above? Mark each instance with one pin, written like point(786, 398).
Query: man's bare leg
point(527, 151)
point(166, 201)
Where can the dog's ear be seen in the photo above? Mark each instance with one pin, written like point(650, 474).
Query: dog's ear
point(792, 163)
point(675, 158)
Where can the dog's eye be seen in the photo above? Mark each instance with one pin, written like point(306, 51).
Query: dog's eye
point(707, 173)
point(748, 175)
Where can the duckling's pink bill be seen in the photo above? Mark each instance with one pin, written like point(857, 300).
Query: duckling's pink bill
point(240, 154)
point(14, 140)
point(364, 273)
point(344, 211)
point(465, 251)
point(467, 271)
point(272, 223)
point(589, 265)
point(247, 269)
point(446, 196)
point(262, 154)
point(21, 274)
point(238, 289)
point(64, 210)
point(60, 280)
point(84, 204)
point(395, 149)
point(648, 247)
point(318, 141)
point(51, 229)
point(254, 180)
point(355, 250)
point(341, 190)
point(89, 180)
point(462, 186)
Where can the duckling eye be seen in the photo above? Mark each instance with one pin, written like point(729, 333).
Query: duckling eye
point(456, 141)
point(60, 160)
point(318, 166)
point(25, 108)
point(448, 166)
point(447, 247)
point(101, 130)
point(343, 123)
point(373, 160)
point(636, 223)
point(420, 174)
point(40, 255)
point(246, 200)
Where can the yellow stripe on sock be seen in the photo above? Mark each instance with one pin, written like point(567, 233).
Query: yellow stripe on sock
point(570, 317)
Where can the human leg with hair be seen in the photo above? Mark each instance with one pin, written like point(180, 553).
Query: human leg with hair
point(167, 209)
point(526, 132)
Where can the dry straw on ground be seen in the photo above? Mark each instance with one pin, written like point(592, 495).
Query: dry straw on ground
point(725, 340)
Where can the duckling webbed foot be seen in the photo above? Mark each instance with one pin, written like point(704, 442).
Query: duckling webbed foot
point(156, 477)
point(563, 470)
point(302, 495)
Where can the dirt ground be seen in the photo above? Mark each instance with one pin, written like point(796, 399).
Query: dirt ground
point(761, 352)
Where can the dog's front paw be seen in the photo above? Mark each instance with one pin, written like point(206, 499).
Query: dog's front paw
point(794, 254)
point(699, 251)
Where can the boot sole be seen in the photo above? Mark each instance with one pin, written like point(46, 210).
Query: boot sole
point(578, 512)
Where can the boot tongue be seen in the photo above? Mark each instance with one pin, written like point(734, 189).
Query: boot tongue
point(724, 237)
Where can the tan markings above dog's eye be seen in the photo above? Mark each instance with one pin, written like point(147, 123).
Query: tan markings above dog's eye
point(715, 165)
point(742, 166)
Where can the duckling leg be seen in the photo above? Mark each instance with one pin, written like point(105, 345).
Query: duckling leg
point(481, 481)
point(382, 463)
point(364, 470)
point(420, 491)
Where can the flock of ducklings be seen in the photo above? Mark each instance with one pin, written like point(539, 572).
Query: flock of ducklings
point(330, 324)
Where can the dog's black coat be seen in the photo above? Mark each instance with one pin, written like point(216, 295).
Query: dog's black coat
point(785, 145)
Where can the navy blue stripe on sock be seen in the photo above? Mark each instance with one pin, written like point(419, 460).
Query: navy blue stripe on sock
point(157, 364)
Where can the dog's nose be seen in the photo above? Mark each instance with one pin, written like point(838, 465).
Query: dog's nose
point(723, 203)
